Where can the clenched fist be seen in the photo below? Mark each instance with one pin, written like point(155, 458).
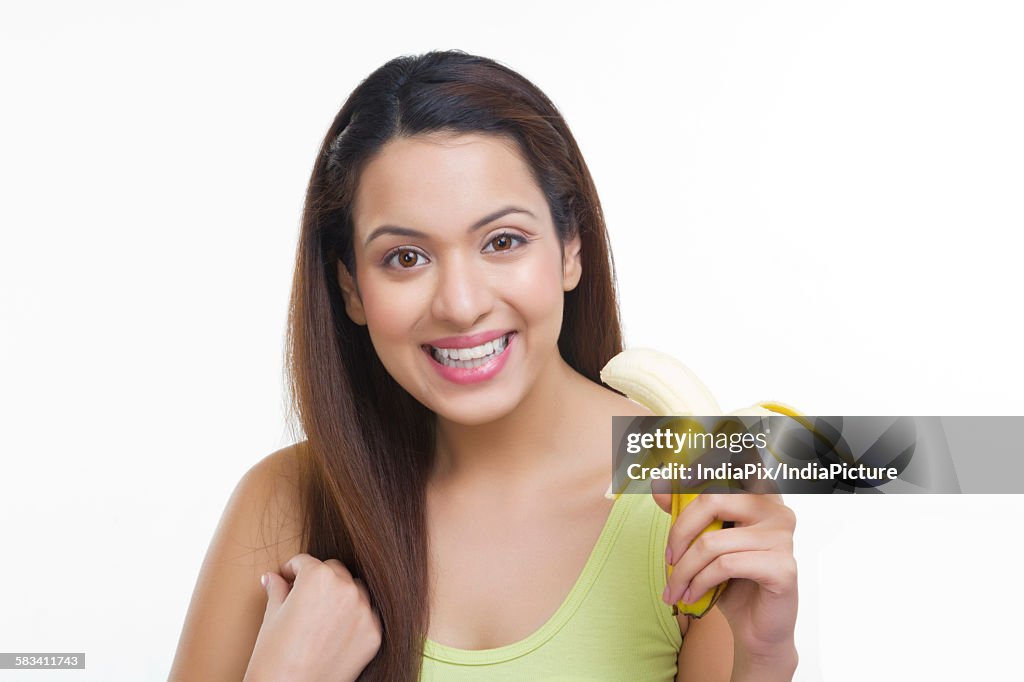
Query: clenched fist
point(319, 625)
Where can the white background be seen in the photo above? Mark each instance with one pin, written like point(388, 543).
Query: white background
point(815, 202)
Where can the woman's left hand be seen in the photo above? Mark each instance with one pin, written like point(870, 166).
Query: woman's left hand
point(755, 555)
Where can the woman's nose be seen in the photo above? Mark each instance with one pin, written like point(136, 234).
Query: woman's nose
point(464, 293)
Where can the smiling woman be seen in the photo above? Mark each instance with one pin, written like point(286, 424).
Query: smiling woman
point(467, 266)
point(444, 516)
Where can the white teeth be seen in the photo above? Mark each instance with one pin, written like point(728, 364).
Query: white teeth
point(468, 358)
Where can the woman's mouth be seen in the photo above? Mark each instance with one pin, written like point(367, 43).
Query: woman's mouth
point(468, 358)
point(469, 365)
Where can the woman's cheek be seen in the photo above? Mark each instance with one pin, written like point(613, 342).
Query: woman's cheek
point(391, 312)
point(539, 292)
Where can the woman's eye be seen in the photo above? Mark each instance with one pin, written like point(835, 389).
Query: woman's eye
point(504, 241)
point(407, 259)
point(404, 257)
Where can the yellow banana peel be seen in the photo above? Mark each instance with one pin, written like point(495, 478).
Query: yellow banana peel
point(667, 387)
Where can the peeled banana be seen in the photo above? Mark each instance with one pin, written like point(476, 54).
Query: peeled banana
point(667, 387)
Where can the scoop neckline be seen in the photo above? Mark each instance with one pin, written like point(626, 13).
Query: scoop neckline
point(571, 602)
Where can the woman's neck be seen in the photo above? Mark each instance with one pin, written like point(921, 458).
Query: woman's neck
point(522, 445)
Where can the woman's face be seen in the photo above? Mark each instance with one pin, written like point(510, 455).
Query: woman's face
point(456, 254)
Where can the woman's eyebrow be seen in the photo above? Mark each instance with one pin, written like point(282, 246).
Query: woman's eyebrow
point(409, 232)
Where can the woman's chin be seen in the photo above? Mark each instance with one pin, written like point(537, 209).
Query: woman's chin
point(473, 413)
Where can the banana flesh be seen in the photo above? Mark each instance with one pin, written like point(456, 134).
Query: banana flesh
point(659, 382)
point(667, 387)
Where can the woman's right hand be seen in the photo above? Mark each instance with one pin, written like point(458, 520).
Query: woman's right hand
point(319, 624)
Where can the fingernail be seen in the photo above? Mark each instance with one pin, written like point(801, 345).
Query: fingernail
point(686, 595)
point(264, 581)
point(668, 554)
point(665, 595)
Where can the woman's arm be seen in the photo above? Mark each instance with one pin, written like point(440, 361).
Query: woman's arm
point(709, 653)
point(257, 532)
point(706, 653)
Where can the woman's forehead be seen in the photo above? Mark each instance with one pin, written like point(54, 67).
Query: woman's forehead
point(434, 181)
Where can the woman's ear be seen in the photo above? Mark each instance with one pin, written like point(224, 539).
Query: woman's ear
point(350, 293)
point(572, 267)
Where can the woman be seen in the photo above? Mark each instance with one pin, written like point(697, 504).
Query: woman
point(444, 517)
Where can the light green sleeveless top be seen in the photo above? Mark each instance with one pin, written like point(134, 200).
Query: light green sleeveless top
point(613, 625)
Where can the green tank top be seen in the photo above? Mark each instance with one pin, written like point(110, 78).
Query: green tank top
point(613, 624)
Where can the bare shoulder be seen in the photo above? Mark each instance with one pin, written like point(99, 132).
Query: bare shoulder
point(262, 517)
point(259, 529)
point(273, 482)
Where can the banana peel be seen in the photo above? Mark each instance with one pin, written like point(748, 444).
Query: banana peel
point(667, 387)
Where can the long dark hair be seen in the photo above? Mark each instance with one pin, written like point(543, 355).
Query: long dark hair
point(369, 445)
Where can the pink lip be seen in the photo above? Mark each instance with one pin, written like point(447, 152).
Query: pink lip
point(473, 375)
point(469, 341)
